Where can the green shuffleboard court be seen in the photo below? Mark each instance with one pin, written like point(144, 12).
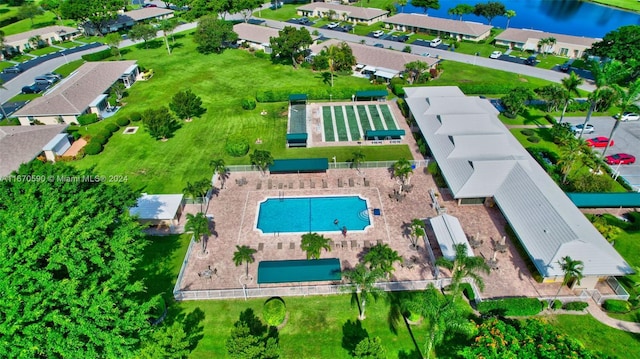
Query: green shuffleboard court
point(326, 269)
point(351, 122)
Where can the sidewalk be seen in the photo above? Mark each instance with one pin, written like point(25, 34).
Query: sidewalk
point(597, 313)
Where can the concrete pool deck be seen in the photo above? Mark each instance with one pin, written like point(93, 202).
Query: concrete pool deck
point(235, 213)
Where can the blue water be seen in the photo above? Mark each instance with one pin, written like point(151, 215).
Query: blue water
point(571, 17)
point(313, 214)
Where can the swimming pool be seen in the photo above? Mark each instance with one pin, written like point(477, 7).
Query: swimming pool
point(312, 214)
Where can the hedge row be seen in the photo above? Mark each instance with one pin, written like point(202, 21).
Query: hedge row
point(511, 306)
point(336, 93)
point(87, 119)
point(616, 306)
point(577, 306)
point(98, 56)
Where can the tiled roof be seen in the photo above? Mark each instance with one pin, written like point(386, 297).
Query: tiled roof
point(21, 144)
point(436, 23)
point(522, 35)
point(255, 33)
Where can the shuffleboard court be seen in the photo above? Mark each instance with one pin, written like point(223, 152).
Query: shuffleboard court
point(354, 129)
point(351, 122)
point(340, 125)
point(328, 124)
point(388, 117)
point(375, 117)
point(325, 269)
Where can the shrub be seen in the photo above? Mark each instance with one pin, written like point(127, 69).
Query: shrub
point(550, 119)
point(92, 148)
point(248, 104)
point(112, 127)
point(616, 306)
point(274, 311)
point(122, 121)
point(527, 132)
point(87, 119)
point(236, 147)
point(413, 317)
point(97, 56)
point(577, 306)
point(511, 306)
point(104, 133)
point(533, 139)
point(99, 139)
point(135, 116)
point(468, 291)
point(556, 304)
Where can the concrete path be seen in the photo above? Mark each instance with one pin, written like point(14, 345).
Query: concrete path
point(597, 312)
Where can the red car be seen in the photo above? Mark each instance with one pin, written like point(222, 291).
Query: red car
point(599, 142)
point(621, 159)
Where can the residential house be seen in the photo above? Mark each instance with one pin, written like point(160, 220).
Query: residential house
point(255, 36)
point(483, 163)
point(126, 20)
point(20, 144)
point(460, 30)
point(163, 210)
point(353, 14)
point(565, 45)
point(45, 36)
point(83, 92)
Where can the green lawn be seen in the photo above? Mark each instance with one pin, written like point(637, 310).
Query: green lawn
point(457, 73)
point(68, 44)
point(7, 11)
point(68, 68)
point(222, 80)
point(44, 20)
point(44, 51)
point(622, 4)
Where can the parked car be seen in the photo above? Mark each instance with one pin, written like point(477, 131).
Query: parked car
point(628, 116)
point(149, 5)
point(333, 25)
point(13, 70)
point(347, 28)
point(30, 89)
point(53, 76)
point(578, 128)
point(621, 159)
point(565, 67)
point(378, 33)
point(403, 38)
point(43, 80)
point(600, 141)
point(435, 42)
point(303, 20)
point(379, 45)
point(531, 60)
point(495, 55)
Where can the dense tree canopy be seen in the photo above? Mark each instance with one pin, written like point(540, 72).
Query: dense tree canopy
point(68, 249)
point(186, 105)
point(99, 12)
point(213, 34)
point(159, 122)
point(623, 45)
point(291, 43)
point(490, 10)
point(425, 5)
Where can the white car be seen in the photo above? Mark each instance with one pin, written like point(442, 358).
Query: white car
point(435, 42)
point(378, 33)
point(495, 54)
point(333, 25)
point(628, 116)
point(578, 128)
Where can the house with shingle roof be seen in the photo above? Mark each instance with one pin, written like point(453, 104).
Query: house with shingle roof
point(127, 19)
point(255, 36)
point(566, 45)
point(82, 92)
point(47, 35)
point(353, 14)
point(22, 144)
point(461, 30)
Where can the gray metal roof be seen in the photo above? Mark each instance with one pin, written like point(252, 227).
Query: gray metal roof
point(479, 158)
point(21, 144)
point(435, 23)
point(448, 233)
point(157, 206)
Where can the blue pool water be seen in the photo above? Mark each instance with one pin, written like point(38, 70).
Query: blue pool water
point(313, 214)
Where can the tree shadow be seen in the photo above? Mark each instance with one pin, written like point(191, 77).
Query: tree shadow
point(124, 51)
point(255, 325)
point(177, 45)
point(352, 334)
point(39, 25)
point(413, 354)
point(155, 266)
point(192, 325)
point(149, 45)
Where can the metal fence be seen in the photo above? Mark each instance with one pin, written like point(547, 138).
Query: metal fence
point(595, 294)
point(339, 165)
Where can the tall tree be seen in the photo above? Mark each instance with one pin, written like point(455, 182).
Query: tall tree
point(197, 190)
point(572, 270)
point(69, 251)
point(570, 85)
point(250, 339)
point(167, 27)
point(441, 317)
point(261, 159)
point(357, 158)
point(515, 101)
point(509, 14)
point(402, 170)
point(622, 44)
point(54, 7)
point(246, 7)
point(113, 41)
point(416, 231)
point(244, 254)
point(159, 122)
point(370, 348)
point(213, 35)
point(402, 4)
point(382, 257)
point(186, 105)
point(221, 169)
point(553, 96)
point(198, 224)
point(98, 12)
point(460, 10)
point(313, 244)
point(291, 43)
point(627, 98)
point(573, 151)
point(490, 10)
point(142, 32)
point(425, 5)
point(29, 10)
point(463, 266)
point(415, 70)
point(362, 282)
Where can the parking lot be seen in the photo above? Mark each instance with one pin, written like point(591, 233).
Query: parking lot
point(626, 140)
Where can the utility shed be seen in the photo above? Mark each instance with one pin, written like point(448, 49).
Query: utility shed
point(158, 209)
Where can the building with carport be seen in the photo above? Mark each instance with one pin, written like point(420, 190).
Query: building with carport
point(299, 165)
point(461, 30)
point(161, 210)
point(297, 130)
point(483, 163)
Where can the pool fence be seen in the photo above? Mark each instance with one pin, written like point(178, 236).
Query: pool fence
point(334, 165)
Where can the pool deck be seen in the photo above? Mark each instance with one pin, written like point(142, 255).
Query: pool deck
point(235, 216)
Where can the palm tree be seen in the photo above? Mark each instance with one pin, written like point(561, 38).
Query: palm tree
point(572, 270)
point(197, 189)
point(362, 281)
point(627, 98)
point(261, 159)
point(509, 14)
point(542, 43)
point(573, 150)
point(221, 169)
point(167, 27)
point(402, 4)
point(244, 254)
point(199, 226)
point(570, 84)
point(402, 170)
point(358, 158)
point(332, 51)
point(416, 231)
point(463, 266)
point(382, 257)
point(313, 244)
point(441, 316)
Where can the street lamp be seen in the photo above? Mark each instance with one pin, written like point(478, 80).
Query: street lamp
point(334, 162)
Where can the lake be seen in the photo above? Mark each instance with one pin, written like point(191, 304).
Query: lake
point(571, 17)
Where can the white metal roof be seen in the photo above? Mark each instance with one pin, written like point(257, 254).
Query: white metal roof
point(482, 159)
point(448, 233)
point(157, 206)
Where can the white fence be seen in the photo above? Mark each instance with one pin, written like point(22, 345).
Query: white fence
point(339, 165)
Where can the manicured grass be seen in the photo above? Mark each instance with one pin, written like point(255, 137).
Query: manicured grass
point(21, 58)
point(622, 4)
point(7, 11)
point(66, 69)
point(597, 336)
point(24, 97)
point(68, 44)
point(221, 80)
point(5, 64)
point(40, 21)
point(456, 73)
point(286, 12)
point(44, 51)
point(628, 245)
